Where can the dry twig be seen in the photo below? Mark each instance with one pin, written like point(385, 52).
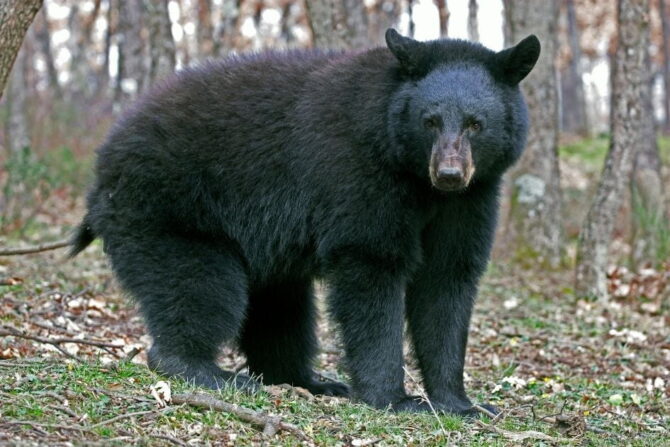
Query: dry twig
point(35, 249)
point(10, 331)
point(270, 424)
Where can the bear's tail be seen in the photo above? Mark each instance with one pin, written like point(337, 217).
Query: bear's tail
point(81, 239)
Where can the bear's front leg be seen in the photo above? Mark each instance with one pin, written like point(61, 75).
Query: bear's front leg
point(438, 322)
point(441, 295)
point(366, 300)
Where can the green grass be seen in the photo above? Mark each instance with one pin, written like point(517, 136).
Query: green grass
point(589, 151)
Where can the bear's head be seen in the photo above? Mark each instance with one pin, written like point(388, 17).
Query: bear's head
point(458, 116)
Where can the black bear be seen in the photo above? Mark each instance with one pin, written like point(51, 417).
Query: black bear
point(224, 192)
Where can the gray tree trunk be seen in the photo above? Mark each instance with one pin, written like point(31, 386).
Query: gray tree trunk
point(227, 26)
point(17, 131)
point(338, 24)
point(628, 120)
point(533, 226)
point(384, 15)
point(573, 110)
point(665, 26)
point(649, 218)
point(161, 43)
point(43, 36)
point(15, 18)
point(473, 23)
point(132, 61)
point(205, 30)
point(443, 12)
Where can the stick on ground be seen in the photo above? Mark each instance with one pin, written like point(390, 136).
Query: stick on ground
point(270, 424)
point(35, 249)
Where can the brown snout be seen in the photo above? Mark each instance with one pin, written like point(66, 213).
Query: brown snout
point(451, 166)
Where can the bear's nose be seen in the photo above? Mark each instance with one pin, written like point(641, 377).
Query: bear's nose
point(450, 174)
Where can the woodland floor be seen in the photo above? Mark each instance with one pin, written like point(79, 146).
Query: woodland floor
point(565, 371)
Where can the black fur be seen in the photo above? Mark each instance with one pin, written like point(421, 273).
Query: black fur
point(225, 191)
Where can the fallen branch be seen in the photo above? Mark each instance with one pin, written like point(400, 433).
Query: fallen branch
point(517, 436)
point(129, 415)
point(8, 330)
point(270, 424)
point(35, 249)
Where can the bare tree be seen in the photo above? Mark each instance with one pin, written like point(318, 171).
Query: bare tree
point(628, 117)
point(111, 17)
point(650, 221)
point(228, 23)
point(573, 110)
point(15, 18)
point(43, 36)
point(473, 23)
point(132, 62)
point(534, 221)
point(382, 15)
point(17, 129)
point(663, 12)
point(443, 11)
point(161, 43)
point(205, 29)
point(338, 23)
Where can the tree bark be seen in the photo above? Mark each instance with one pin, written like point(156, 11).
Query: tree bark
point(205, 30)
point(161, 43)
point(104, 75)
point(443, 11)
point(226, 29)
point(663, 12)
point(628, 117)
point(648, 211)
point(338, 24)
point(17, 132)
point(473, 23)
point(383, 15)
point(573, 110)
point(534, 222)
point(130, 39)
point(15, 18)
point(43, 36)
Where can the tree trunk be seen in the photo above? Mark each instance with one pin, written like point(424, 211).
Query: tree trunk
point(628, 117)
point(104, 75)
point(443, 11)
point(473, 23)
point(224, 35)
point(205, 30)
point(384, 15)
point(130, 39)
point(573, 110)
point(338, 24)
point(43, 36)
point(663, 11)
point(534, 221)
point(649, 218)
point(15, 18)
point(18, 136)
point(161, 43)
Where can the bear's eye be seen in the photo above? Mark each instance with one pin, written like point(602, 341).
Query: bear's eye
point(475, 126)
point(432, 122)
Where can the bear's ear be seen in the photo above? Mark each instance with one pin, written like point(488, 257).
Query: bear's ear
point(516, 62)
point(406, 50)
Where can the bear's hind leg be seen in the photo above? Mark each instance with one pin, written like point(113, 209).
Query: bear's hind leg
point(279, 338)
point(193, 296)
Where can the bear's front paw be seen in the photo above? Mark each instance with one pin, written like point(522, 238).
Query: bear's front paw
point(412, 404)
point(333, 388)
